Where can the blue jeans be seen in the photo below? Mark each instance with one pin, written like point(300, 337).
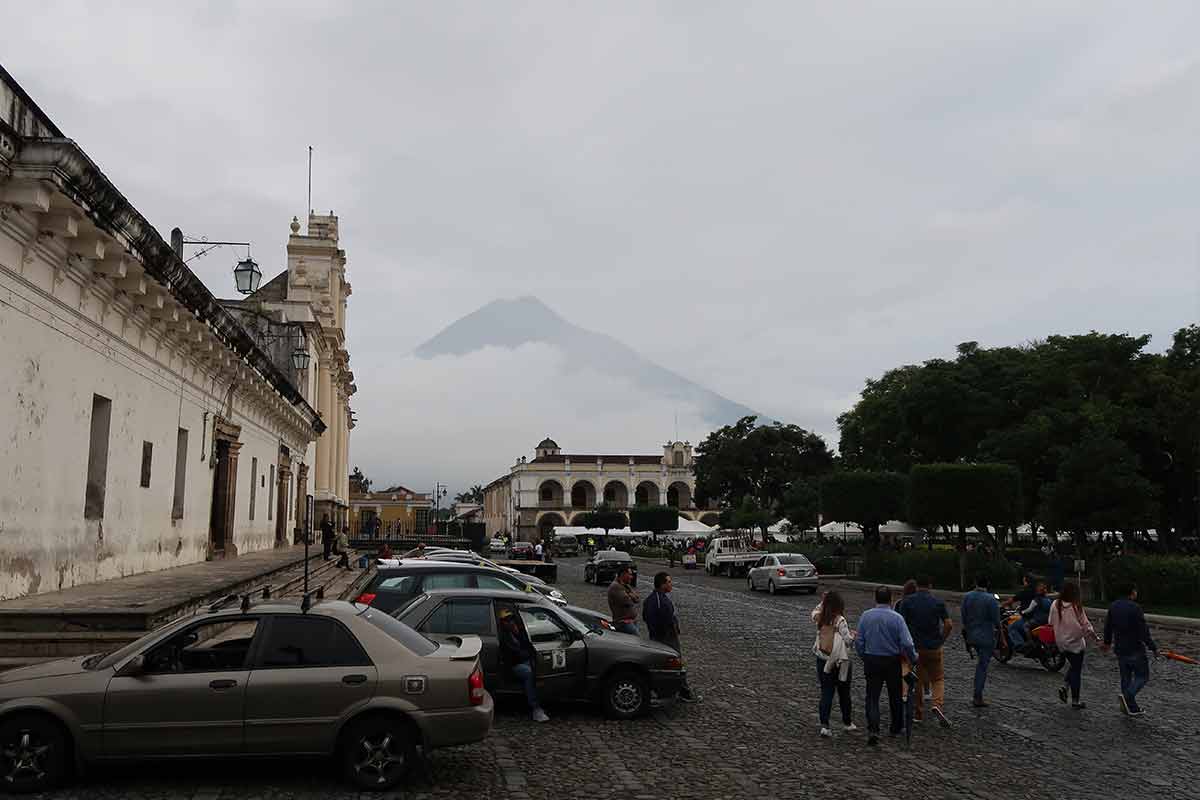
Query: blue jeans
point(1074, 678)
point(983, 656)
point(1017, 634)
point(524, 673)
point(829, 684)
point(1135, 674)
point(626, 627)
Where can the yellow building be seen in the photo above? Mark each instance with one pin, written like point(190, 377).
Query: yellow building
point(397, 512)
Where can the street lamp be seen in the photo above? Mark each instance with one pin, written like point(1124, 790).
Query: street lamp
point(300, 356)
point(247, 276)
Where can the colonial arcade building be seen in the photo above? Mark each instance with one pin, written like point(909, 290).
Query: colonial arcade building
point(147, 424)
point(554, 488)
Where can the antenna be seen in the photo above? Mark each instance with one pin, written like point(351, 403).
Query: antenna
point(677, 426)
point(309, 206)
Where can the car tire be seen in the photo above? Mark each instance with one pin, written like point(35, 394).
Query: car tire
point(626, 694)
point(750, 584)
point(377, 752)
point(771, 587)
point(34, 754)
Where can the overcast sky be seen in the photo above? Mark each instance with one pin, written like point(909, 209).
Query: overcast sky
point(775, 200)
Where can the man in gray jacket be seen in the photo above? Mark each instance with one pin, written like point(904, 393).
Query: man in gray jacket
point(623, 602)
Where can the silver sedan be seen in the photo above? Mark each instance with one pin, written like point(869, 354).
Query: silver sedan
point(781, 572)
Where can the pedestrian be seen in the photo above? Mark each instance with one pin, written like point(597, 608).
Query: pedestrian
point(537, 550)
point(1127, 625)
point(623, 602)
point(1071, 629)
point(907, 590)
point(385, 551)
point(343, 548)
point(518, 657)
point(981, 623)
point(882, 640)
point(326, 536)
point(1018, 631)
point(832, 649)
point(929, 623)
point(663, 624)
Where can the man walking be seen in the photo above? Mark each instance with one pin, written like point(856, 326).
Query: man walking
point(1127, 624)
point(980, 621)
point(882, 640)
point(326, 536)
point(623, 602)
point(930, 624)
point(663, 624)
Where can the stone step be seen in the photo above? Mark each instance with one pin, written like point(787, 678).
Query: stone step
point(54, 644)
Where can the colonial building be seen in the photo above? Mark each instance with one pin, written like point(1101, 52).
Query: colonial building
point(144, 425)
point(397, 511)
point(554, 488)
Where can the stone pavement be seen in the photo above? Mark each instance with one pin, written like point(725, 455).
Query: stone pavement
point(755, 733)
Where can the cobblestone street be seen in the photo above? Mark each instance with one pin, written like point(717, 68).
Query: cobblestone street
point(755, 733)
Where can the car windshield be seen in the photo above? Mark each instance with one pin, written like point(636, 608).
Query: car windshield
point(613, 555)
point(114, 657)
point(794, 560)
point(396, 629)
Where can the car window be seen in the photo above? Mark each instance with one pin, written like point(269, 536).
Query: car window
point(496, 582)
point(447, 580)
point(399, 583)
point(214, 646)
point(542, 625)
point(310, 642)
point(402, 633)
point(795, 559)
point(461, 617)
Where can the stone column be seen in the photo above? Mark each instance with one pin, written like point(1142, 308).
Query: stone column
point(321, 480)
point(284, 480)
point(301, 502)
point(335, 444)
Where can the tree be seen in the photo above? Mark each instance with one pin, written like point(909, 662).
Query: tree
point(801, 504)
point(864, 497)
point(757, 461)
point(653, 519)
point(602, 517)
point(472, 495)
point(751, 516)
point(361, 481)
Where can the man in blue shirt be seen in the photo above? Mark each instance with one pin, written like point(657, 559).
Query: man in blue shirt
point(1127, 624)
point(882, 640)
point(981, 622)
point(930, 624)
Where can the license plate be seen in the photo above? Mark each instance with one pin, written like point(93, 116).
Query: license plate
point(558, 659)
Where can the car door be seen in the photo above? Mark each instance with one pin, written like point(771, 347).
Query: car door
point(188, 698)
point(459, 616)
point(756, 572)
point(561, 655)
point(308, 672)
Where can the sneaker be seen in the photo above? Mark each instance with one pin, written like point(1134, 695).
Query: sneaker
point(1079, 706)
point(690, 697)
point(979, 702)
point(872, 741)
point(1124, 703)
point(941, 717)
point(1136, 712)
point(1062, 694)
point(849, 727)
point(540, 716)
point(826, 733)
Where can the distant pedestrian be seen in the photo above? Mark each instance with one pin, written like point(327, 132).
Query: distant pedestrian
point(882, 641)
point(1071, 629)
point(1127, 625)
point(623, 602)
point(326, 536)
point(832, 649)
point(343, 548)
point(663, 624)
point(537, 550)
point(929, 623)
point(981, 622)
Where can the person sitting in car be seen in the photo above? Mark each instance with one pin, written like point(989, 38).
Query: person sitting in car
point(518, 656)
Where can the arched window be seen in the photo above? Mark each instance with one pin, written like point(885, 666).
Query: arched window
point(547, 493)
point(679, 458)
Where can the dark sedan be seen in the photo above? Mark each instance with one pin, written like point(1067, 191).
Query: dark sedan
point(605, 565)
point(574, 661)
point(393, 586)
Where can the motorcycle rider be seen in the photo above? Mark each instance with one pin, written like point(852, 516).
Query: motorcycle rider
point(1033, 615)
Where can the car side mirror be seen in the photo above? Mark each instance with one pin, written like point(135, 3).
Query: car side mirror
point(133, 667)
point(574, 635)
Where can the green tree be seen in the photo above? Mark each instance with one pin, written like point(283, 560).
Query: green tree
point(603, 516)
point(801, 504)
point(472, 495)
point(751, 516)
point(653, 519)
point(865, 497)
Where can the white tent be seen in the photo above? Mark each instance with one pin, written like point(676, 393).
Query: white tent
point(688, 529)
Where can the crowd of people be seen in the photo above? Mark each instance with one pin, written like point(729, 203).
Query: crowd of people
point(901, 647)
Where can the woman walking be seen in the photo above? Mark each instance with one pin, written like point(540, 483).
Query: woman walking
point(832, 649)
point(1071, 629)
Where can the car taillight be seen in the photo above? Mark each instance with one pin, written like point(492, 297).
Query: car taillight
point(366, 598)
point(673, 663)
point(782, 572)
point(475, 687)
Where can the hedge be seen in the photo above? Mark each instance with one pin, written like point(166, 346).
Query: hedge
point(1161, 580)
point(941, 566)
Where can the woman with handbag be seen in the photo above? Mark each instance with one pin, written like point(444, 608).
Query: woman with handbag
point(1071, 629)
point(832, 649)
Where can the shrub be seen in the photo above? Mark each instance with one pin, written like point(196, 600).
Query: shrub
point(642, 551)
point(654, 519)
point(940, 565)
point(1161, 580)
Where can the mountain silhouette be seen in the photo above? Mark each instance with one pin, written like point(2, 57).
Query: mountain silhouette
point(512, 323)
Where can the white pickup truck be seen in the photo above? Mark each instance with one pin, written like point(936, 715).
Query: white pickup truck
point(730, 555)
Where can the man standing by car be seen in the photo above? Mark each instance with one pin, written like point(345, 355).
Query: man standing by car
point(663, 624)
point(882, 640)
point(517, 655)
point(623, 602)
point(981, 622)
point(930, 624)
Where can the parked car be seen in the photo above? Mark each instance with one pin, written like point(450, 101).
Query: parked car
point(275, 677)
point(393, 586)
point(575, 662)
point(467, 557)
point(521, 550)
point(781, 572)
point(565, 545)
point(497, 546)
point(604, 565)
point(730, 555)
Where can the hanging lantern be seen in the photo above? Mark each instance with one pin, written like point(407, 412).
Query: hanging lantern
point(247, 276)
point(300, 358)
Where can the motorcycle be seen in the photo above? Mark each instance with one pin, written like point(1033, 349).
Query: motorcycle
point(1039, 645)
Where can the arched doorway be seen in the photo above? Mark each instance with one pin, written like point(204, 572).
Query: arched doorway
point(547, 523)
point(646, 494)
point(679, 495)
point(583, 495)
point(550, 494)
point(616, 495)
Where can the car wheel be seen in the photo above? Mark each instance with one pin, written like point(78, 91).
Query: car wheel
point(771, 587)
point(33, 754)
point(377, 752)
point(750, 584)
point(626, 695)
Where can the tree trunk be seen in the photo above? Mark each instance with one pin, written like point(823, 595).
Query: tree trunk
point(962, 558)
